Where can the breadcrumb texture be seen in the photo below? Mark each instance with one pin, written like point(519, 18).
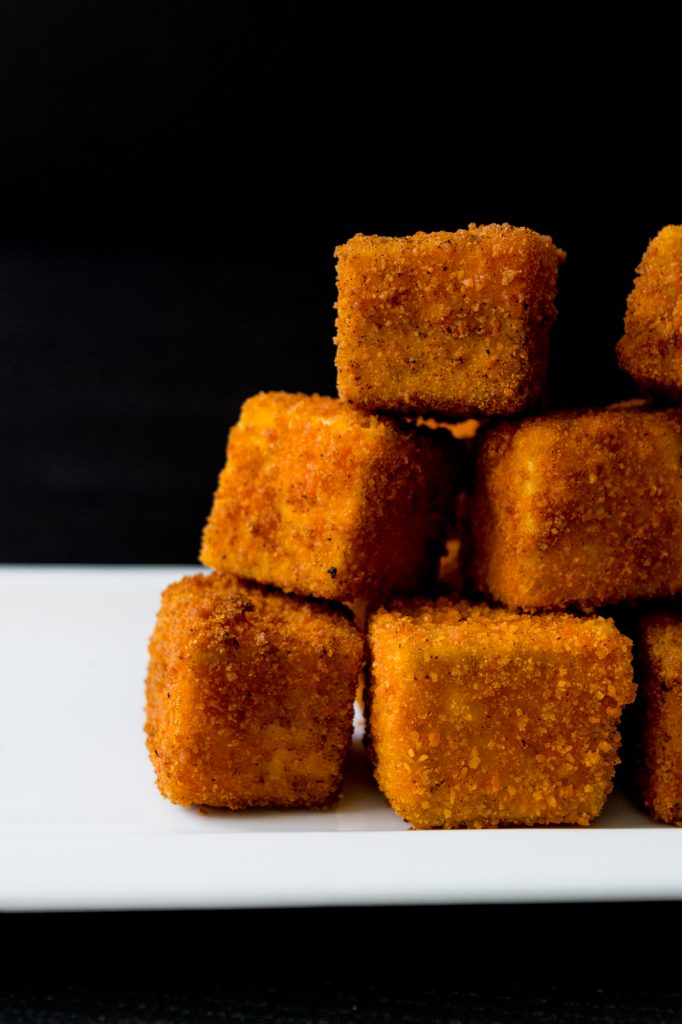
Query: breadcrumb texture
point(482, 717)
point(651, 347)
point(579, 508)
point(321, 499)
point(446, 323)
point(659, 715)
point(249, 695)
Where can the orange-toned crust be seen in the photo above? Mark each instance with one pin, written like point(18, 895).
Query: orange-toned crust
point(448, 323)
point(658, 715)
point(249, 695)
point(321, 499)
point(651, 347)
point(579, 508)
point(462, 430)
point(482, 717)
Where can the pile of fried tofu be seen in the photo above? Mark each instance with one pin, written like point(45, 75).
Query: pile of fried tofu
point(431, 532)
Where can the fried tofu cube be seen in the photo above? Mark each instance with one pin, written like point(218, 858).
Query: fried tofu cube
point(651, 347)
point(321, 499)
point(447, 323)
point(658, 715)
point(579, 508)
point(249, 695)
point(482, 717)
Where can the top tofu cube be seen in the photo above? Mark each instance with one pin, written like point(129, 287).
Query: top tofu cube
point(579, 508)
point(323, 500)
point(651, 347)
point(448, 323)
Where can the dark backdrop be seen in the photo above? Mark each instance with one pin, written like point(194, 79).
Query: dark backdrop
point(175, 176)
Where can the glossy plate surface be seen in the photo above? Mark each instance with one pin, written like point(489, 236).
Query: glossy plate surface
point(83, 826)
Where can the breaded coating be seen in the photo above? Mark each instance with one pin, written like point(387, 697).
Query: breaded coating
point(463, 430)
point(447, 323)
point(482, 717)
point(321, 499)
point(651, 347)
point(249, 695)
point(658, 711)
point(579, 508)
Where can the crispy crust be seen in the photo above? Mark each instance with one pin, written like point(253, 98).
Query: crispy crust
point(658, 716)
point(651, 347)
point(482, 717)
point(447, 323)
point(249, 695)
point(321, 499)
point(579, 508)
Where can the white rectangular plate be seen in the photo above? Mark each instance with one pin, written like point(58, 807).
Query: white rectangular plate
point(83, 826)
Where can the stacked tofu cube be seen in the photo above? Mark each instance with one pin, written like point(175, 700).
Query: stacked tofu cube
point(495, 694)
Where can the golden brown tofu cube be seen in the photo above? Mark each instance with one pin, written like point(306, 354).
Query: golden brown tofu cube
point(249, 695)
point(321, 499)
point(448, 323)
point(651, 347)
point(482, 717)
point(658, 710)
point(579, 508)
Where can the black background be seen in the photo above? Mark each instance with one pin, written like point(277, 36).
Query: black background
point(614, 964)
point(174, 177)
